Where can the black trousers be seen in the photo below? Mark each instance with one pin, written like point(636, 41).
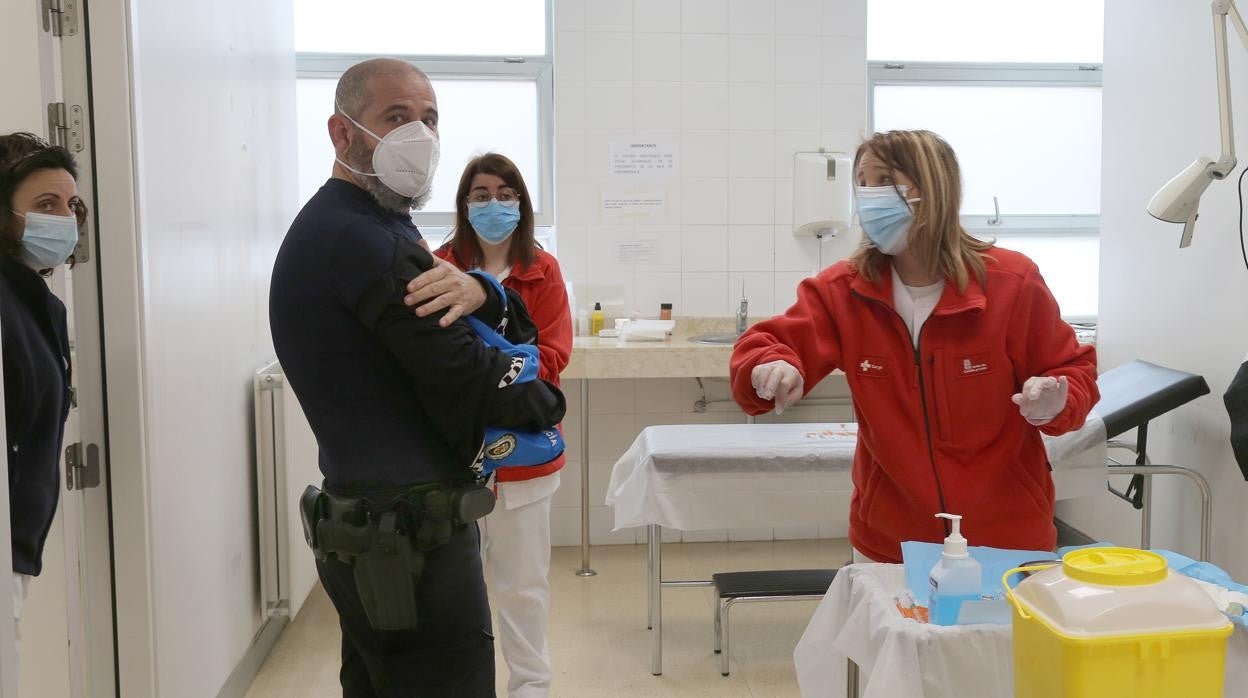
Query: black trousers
point(450, 654)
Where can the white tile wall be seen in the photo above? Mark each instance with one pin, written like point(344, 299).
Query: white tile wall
point(704, 105)
point(751, 154)
point(799, 59)
point(753, 58)
point(749, 106)
point(750, 248)
point(750, 200)
point(705, 201)
point(752, 17)
point(570, 55)
point(654, 15)
point(739, 86)
point(704, 16)
point(705, 248)
point(703, 58)
point(609, 105)
point(656, 56)
point(656, 105)
point(614, 16)
point(703, 292)
point(797, 108)
point(705, 153)
point(759, 290)
point(803, 17)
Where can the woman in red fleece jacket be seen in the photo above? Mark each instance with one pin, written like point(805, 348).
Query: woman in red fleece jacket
point(955, 352)
point(494, 232)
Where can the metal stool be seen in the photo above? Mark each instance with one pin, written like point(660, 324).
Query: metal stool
point(761, 585)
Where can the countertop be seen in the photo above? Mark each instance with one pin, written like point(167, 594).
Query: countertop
point(676, 357)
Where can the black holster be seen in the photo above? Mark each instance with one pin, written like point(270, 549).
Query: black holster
point(385, 538)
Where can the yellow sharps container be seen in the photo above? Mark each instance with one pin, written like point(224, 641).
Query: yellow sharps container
point(1115, 623)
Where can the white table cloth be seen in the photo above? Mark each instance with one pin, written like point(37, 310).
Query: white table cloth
point(896, 656)
point(712, 476)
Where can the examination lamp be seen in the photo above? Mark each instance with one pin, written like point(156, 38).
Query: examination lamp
point(1179, 200)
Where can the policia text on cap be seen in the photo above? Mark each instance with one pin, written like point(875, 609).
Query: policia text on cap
point(398, 403)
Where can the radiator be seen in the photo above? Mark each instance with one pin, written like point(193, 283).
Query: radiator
point(272, 507)
point(286, 463)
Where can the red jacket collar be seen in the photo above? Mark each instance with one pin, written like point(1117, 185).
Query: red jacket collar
point(533, 272)
point(951, 301)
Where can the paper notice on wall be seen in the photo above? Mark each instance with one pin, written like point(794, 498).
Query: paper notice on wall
point(650, 203)
point(648, 158)
point(637, 251)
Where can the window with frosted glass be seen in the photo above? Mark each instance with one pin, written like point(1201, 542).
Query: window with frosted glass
point(424, 28)
point(468, 126)
point(986, 31)
point(1015, 89)
point(1037, 149)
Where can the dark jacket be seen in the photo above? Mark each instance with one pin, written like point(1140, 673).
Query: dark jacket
point(36, 403)
point(392, 398)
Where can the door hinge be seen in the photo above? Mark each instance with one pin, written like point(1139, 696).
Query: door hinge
point(66, 126)
point(81, 472)
point(60, 17)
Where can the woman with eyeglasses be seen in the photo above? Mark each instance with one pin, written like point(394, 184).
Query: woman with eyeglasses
point(40, 215)
point(494, 232)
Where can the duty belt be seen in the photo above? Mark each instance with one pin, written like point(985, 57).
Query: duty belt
point(384, 534)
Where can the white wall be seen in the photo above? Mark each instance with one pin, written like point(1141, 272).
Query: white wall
point(739, 86)
point(19, 43)
point(214, 112)
point(1180, 308)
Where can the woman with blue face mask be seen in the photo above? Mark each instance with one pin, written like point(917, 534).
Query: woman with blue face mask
point(40, 215)
point(494, 232)
point(954, 350)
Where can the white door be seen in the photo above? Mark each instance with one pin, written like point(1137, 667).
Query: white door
point(67, 622)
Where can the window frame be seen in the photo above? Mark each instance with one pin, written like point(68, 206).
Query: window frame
point(919, 73)
point(538, 69)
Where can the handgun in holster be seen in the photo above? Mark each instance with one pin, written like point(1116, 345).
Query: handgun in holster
point(386, 543)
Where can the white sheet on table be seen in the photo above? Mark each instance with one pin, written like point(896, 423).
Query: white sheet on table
point(713, 476)
point(1078, 459)
point(897, 656)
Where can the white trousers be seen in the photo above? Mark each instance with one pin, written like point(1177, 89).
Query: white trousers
point(21, 587)
point(516, 544)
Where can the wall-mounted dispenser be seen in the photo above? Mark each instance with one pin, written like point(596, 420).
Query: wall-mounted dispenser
point(823, 191)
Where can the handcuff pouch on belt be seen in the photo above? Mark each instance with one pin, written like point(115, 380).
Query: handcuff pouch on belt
point(385, 542)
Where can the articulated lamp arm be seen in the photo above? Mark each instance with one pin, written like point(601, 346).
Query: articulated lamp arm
point(1179, 200)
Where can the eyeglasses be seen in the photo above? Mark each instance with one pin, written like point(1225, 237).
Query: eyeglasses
point(504, 195)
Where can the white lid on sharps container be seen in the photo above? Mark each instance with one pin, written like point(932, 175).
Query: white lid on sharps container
point(955, 544)
point(1118, 591)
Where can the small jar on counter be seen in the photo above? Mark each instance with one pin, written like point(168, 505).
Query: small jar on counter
point(665, 311)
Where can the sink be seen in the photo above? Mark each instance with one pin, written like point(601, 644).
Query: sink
point(714, 339)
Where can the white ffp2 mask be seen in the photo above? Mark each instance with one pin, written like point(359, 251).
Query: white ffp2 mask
point(404, 160)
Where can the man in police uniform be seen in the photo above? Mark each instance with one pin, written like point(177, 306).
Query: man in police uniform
point(398, 399)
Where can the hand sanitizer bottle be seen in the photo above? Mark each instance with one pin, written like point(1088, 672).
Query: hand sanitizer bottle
point(955, 579)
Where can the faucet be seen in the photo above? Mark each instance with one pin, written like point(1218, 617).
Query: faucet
point(743, 311)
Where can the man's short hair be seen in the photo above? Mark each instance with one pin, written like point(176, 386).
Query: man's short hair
point(351, 97)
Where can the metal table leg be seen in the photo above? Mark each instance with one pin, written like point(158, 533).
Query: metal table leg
point(851, 688)
point(585, 570)
point(650, 578)
point(1206, 497)
point(655, 545)
point(1146, 514)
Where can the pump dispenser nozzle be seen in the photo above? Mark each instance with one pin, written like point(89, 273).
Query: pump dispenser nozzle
point(955, 544)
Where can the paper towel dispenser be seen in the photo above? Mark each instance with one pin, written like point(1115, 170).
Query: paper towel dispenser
point(823, 190)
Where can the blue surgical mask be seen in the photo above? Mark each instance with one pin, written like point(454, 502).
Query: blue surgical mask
point(885, 217)
point(494, 220)
point(47, 240)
